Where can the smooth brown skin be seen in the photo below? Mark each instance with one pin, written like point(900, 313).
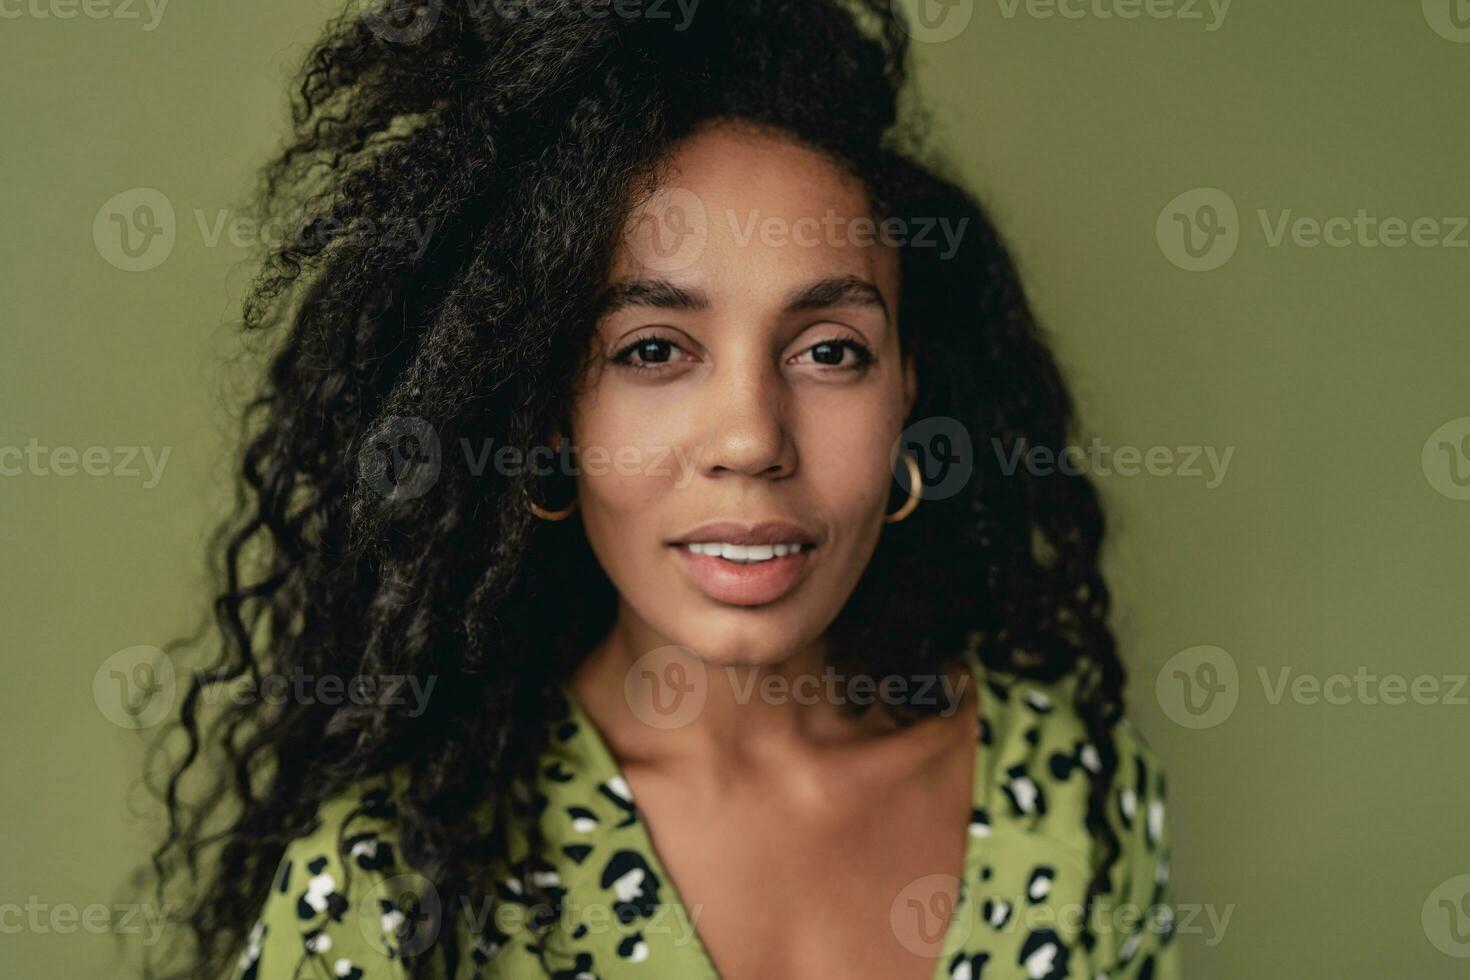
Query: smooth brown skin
point(788, 829)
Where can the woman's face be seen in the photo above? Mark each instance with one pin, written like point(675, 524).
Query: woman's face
point(747, 390)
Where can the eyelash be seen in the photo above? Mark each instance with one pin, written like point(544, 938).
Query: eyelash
point(624, 356)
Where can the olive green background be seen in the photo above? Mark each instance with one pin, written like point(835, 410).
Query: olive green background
point(1322, 829)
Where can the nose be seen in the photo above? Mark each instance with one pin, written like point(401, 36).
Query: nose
point(747, 425)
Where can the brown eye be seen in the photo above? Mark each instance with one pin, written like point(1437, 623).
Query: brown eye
point(834, 354)
point(649, 353)
point(653, 351)
point(828, 353)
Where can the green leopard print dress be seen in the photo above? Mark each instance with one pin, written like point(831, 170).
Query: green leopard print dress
point(343, 906)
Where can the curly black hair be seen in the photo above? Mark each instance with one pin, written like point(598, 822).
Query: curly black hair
point(516, 137)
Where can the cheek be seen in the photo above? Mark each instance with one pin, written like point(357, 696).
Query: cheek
point(628, 461)
point(847, 463)
point(618, 514)
point(617, 418)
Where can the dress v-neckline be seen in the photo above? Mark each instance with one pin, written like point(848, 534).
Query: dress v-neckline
point(605, 769)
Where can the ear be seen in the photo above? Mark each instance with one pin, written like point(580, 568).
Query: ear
point(910, 385)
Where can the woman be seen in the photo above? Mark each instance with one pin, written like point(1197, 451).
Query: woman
point(604, 345)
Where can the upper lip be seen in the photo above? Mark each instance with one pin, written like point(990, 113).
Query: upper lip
point(739, 532)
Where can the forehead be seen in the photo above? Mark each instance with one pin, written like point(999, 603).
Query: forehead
point(744, 213)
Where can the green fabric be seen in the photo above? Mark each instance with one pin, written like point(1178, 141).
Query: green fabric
point(341, 892)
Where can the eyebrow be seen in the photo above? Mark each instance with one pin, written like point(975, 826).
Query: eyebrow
point(816, 295)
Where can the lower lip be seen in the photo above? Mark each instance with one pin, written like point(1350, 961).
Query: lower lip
point(753, 584)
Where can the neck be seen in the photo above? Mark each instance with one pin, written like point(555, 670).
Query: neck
point(640, 688)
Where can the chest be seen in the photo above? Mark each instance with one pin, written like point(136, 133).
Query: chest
point(859, 888)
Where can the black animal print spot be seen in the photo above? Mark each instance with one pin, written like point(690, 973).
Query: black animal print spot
point(368, 851)
point(1038, 702)
point(557, 772)
point(633, 948)
point(616, 792)
point(634, 885)
point(968, 966)
point(1040, 884)
point(996, 912)
point(1044, 956)
point(581, 969)
point(1025, 793)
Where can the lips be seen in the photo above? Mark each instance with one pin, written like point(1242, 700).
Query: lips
point(735, 532)
point(745, 564)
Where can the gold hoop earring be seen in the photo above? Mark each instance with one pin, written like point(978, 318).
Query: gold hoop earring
point(916, 490)
point(552, 515)
point(542, 512)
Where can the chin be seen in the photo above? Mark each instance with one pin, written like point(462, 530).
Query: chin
point(742, 654)
point(734, 637)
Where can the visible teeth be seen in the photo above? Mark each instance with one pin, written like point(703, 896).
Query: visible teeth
point(743, 553)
